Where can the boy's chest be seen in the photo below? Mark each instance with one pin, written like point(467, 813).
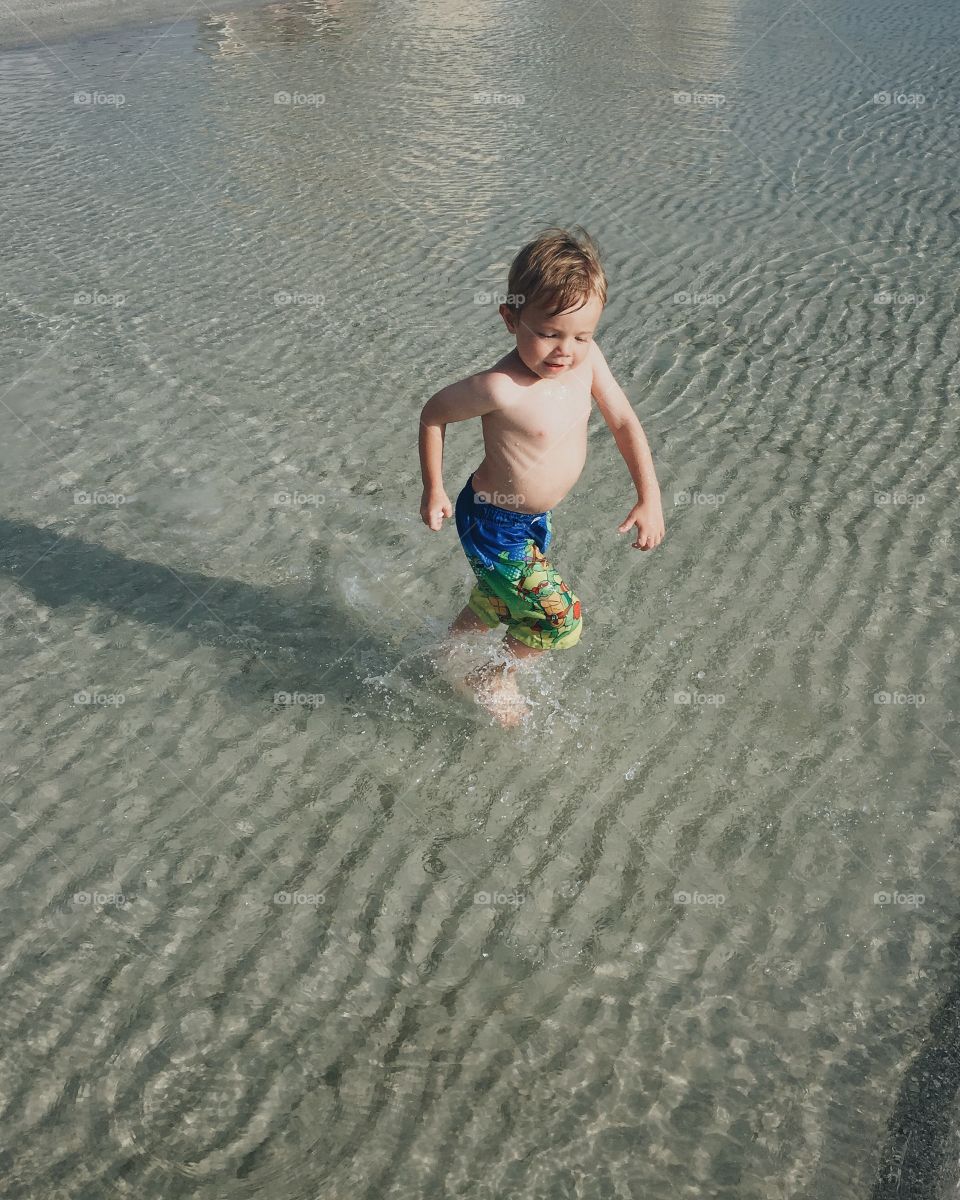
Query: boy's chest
point(562, 411)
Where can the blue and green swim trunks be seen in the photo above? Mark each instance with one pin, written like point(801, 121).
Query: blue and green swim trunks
point(516, 585)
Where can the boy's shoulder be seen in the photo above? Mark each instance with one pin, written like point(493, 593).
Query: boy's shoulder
point(496, 383)
point(501, 375)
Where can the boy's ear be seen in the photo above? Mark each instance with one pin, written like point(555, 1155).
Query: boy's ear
point(509, 317)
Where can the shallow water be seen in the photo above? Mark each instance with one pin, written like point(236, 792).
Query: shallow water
point(284, 915)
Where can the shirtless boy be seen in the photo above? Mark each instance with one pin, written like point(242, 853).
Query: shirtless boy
point(534, 405)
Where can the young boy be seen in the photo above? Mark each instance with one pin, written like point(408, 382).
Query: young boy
point(534, 405)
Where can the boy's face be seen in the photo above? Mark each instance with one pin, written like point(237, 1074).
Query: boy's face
point(552, 346)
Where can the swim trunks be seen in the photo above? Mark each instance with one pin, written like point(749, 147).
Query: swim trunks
point(516, 585)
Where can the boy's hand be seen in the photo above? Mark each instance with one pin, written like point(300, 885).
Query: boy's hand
point(434, 506)
point(648, 518)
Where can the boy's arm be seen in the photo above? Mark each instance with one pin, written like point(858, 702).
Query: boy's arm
point(647, 513)
point(470, 397)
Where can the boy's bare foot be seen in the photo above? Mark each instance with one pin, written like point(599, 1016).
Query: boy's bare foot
point(496, 690)
point(492, 685)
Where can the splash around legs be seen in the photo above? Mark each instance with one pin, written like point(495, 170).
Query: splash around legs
point(493, 685)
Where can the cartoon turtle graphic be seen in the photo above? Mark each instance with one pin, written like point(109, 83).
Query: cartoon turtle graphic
point(542, 584)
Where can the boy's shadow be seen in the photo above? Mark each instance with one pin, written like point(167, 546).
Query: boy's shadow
point(291, 638)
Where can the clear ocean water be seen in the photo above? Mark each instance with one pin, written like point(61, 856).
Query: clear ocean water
point(284, 915)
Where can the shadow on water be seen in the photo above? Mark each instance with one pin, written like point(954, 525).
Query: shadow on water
point(293, 638)
point(918, 1160)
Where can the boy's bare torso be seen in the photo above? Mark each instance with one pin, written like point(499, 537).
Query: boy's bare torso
point(535, 440)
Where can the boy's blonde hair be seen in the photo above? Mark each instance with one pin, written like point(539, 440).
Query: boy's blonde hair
point(558, 268)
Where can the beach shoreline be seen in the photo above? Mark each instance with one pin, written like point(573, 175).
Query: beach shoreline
point(38, 23)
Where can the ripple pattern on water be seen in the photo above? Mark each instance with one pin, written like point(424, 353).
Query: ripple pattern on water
point(283, 914)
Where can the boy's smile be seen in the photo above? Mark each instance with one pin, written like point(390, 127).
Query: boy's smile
point(550, 345)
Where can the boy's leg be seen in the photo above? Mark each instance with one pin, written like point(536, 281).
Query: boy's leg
point(492, 684)
point(536, 603)
point(520, 649)
point(496, 687)
point(468, 622)
point(545, 615)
